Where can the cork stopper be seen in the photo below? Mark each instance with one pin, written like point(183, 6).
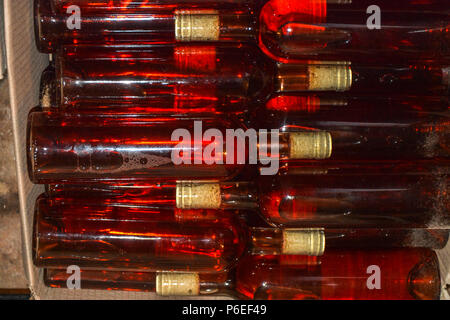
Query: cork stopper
point(197, 25)
point(310, 145)
point(177, 284)
point(337, 77)
point(195, 195)
point(310, 242)
point(46, 97)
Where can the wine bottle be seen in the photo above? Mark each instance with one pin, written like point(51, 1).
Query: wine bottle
point(68, 147)
point(189, 103)
point(405, 274)
point(300, 196)
point(284, 29)
point(306, 194)
point(229, 74)
point(145, 238)
point(135, 238)
point(64, 147)
point(340, 275)
point(362, 129)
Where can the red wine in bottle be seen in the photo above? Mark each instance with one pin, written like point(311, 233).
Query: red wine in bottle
point(406, 274)
point(189, 102)
point(135, 238)
point(284, 29)
point(72, 147)
point(64, 147)
point(340, 275)
point(224, 75)
point(318, 195)
point(146, 238)
point(361, 129)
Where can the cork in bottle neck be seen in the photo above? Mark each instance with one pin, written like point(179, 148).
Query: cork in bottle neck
point(197, 25)
point(310, 242)
point(336, 76)
point(198, 195)
point(310, 145)
point(177, 284)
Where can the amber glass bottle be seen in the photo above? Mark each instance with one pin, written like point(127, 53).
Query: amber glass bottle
point(386, 226)
point(339, 195)
point(340, 275)
point(135, 237)
point(192, 102)
point(64, 147)
point(68, 147)
point(367, 128)
point(406, 274)
point(144, 237)
point(284, 29)
point(225, 74)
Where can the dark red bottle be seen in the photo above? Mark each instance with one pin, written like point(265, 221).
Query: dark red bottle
point(225, 75)
point(304, 194)
point(79, 147)
point(405, 274)
point(337, 195)
point(367, 128)
point(340, 275)
point(135, 238)
point(284, 29)
point(190, 102)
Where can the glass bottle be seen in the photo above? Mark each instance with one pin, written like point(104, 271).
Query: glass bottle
point(145, 238)
point(367, 128)
point(225, 74)
point(339, 275)
point(135, 237)
point(189, 103)
point(284, 29)
point(72, 147)
point(337, 195)
point(389, 200)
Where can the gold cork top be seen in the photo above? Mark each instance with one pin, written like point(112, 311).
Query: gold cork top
point(197, 25)
point(330, 76)
point(310, 145)
point(310, 242)
point(177, 284)
point(198, 195)
point(337, 77)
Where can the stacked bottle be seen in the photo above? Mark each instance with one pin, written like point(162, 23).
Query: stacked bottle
point(263, 149)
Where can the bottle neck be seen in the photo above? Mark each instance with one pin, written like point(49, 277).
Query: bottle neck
point(330, 76)
point(194, 284)
point(289, 241)
point(214, 25)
